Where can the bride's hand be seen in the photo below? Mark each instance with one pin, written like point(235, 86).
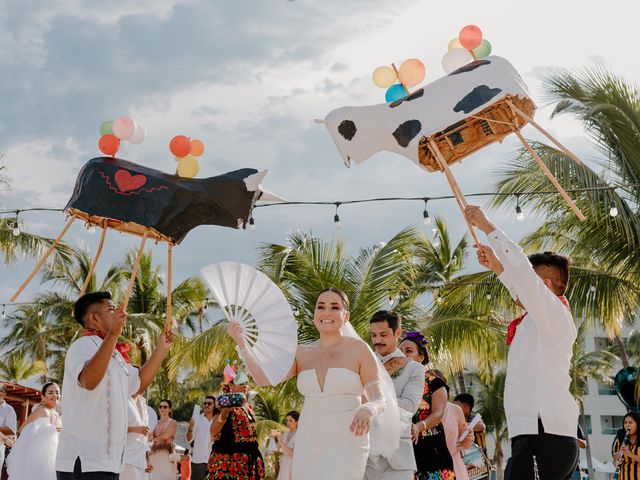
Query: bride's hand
point(415, 433)
point(361, 422)
point(236, 331)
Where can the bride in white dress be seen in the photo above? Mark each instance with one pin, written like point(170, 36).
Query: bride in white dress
point(34, 453)
point(334, 372)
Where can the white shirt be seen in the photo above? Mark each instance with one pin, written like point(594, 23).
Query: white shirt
point(136, 446)
point(153, 418)
point(201, 439)
point(8, 417)
point(537, 383)
point(95, 421)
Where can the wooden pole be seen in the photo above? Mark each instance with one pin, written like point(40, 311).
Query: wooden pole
point(168, 320)
point(43, 259)
point(545, 133)
point(134, 272)
point(550, 176)
point(397, 75)
point(455, 188)
point(94, 263)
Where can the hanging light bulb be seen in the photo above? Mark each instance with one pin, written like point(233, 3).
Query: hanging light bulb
point(425, 213)
point(4, 315)
point(16, 229)
point(252, 224)
point(91, 229)
point(613, 210)
point(336, 217)
point(519, 214)
point(592, 288)
point(488, 296)
point(40, 311)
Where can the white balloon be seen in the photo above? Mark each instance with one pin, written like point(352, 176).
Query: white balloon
point(455, 58)
point(124, 127)
point(138, 136)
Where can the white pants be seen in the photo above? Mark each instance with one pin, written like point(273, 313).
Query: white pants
point(131, 472)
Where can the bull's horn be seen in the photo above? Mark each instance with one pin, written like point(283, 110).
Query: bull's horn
point(253, 181)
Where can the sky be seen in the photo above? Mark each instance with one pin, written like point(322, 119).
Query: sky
point(248, 78)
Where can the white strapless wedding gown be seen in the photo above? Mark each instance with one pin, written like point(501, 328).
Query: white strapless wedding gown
point(325, 447)
point(34, 454)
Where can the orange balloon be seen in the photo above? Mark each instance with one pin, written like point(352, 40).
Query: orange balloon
point(470, 37)
point(197, 148)
point(180, 146)
point(109, 144)
point(411, 72)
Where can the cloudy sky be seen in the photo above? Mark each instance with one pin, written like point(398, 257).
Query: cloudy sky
point(248, 77)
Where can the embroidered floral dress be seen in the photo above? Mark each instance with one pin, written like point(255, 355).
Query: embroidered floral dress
point(432, 455)
point(235, 453)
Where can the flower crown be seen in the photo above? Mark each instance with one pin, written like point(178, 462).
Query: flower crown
point(234, 373)
point(416, 337)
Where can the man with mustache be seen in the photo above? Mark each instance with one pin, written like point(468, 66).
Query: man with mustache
point(408, 380)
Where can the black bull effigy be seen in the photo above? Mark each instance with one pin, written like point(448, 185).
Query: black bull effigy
point(112, 193)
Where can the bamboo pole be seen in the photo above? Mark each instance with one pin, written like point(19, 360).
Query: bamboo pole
point(455, 188)
point(168, 320)
point(134, 272)
point(95, 261)
point(43, 259)
point(545, 133)
point(550, 176)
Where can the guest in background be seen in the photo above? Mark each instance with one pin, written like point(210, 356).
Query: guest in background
point(286, 443)
point(136, 448)
point(466, 402)
point(200, 433)
point(163, 436)
point(34, 452)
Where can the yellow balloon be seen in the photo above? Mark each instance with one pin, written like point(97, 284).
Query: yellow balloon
point(454, 43)
point(384, 77)
point(188, 166)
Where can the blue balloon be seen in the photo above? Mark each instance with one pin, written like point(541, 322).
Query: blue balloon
point(395, 92)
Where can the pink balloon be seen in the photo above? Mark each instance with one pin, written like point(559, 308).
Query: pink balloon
point(470, 37)
point(124, 127)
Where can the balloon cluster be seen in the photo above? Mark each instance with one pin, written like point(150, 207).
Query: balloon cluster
point(186, 150)
point(411, 73)
point(465, 48)
point(122, 128)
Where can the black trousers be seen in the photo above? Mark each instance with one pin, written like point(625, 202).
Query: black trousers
point(556, 456)
point(79, 475)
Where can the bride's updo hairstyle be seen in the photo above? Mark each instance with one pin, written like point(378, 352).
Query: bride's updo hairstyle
point(340, 293)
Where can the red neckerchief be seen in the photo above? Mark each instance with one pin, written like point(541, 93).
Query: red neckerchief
point(121, 347)
point(513, 325)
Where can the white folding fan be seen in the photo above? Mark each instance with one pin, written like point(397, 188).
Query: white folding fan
point(249, 297)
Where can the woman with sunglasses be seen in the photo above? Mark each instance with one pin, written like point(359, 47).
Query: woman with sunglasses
point(163, 435)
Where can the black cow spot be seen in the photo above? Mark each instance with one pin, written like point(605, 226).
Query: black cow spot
point(470, 66)
point(406, 132)
point(347, 129)
point(413, 96)
point(478, 96)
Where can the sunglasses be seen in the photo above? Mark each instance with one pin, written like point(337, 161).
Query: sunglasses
point(163, 406)
point(207, 404)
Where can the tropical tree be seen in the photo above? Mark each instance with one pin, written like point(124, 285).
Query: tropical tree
point(18, 367)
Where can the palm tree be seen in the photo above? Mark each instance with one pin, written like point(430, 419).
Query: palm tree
point(18, 367)
point(597, 365)
point(491, 407)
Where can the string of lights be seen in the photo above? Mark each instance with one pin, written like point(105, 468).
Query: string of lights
point(613, 206)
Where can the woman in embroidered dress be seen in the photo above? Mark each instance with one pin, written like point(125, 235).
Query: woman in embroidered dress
point(163, 435)
point(34, 453)
point(235, 454)
point(433, 459)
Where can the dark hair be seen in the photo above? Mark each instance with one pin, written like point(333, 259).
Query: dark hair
point(465, 398)
point(340, 293)
point(636, 418)
point(439, 374)
point(167, 401)
point(293, 414)
point(82, 305)
point(392, 318)
point(210, 397)
point(45, 386)
point(560, 262)
point(421, 344)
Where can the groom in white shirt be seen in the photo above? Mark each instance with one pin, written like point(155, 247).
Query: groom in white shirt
point(541, 413)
